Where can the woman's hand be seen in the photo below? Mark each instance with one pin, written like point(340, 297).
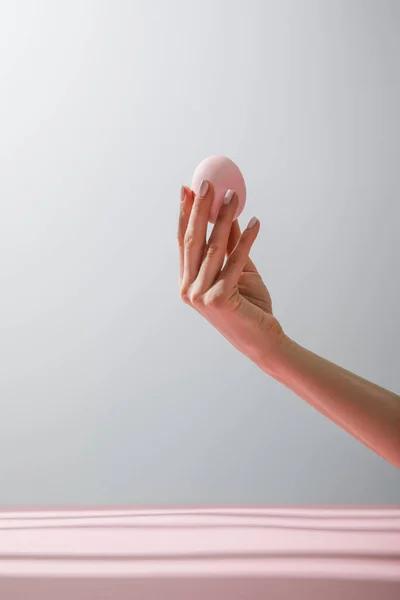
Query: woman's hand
point(229, 294)
point(232, 296)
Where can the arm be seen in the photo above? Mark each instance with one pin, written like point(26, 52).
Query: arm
point(367, 411)
point(232, 296)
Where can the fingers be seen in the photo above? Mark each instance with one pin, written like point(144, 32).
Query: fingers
point(217, 244)
point(201, 263)
point(234, 238)
point(187, 199)
point(239, 256)
point(196, 232)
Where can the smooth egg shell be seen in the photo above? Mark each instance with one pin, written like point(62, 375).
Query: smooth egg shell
point(225, 175)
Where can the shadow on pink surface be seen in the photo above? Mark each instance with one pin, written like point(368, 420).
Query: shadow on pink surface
point(197, 589)
point(201, 553)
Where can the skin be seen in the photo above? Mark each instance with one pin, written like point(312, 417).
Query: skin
point(220, 281)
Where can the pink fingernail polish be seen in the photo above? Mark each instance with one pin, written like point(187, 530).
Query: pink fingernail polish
point(228, 197)
point(203, 188)
point(252, 222)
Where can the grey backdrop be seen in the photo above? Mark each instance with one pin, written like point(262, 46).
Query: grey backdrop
point(111, 390)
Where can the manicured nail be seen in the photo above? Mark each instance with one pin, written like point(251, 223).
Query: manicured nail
point(183, 193)
point(203, 188)
point(228, 197)
point(252, 222)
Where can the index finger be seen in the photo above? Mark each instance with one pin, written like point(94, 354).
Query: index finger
point(196, 232)
point(187, 199)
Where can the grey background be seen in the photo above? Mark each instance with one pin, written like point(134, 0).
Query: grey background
point(111, 390)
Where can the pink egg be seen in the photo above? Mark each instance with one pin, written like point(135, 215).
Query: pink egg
point(225, 175)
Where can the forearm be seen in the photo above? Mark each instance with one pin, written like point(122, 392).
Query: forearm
point(368, 412)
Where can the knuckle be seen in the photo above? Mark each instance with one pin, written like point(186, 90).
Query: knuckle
point(215, 300)
point(235, 259)
point(184, 293)
point(189, 239)
point(190, 296)
point(196, 298)
point(213, 249)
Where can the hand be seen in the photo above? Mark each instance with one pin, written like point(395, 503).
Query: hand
point(229, 294)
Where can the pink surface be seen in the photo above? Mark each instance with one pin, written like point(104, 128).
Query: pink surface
point(200, 553)
point(224, 174)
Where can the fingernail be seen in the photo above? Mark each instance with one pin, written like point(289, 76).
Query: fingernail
point(252, 222)
point(183, 193)
point(228, 197)
point(203, 188)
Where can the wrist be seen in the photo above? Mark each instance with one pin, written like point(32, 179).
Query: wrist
point(276, 354)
